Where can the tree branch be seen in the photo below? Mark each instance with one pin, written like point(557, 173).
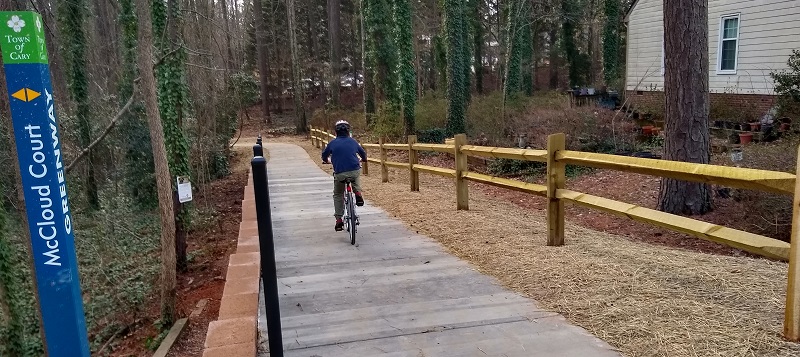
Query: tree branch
point(104, 134)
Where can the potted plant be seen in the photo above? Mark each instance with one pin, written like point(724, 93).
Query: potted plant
point(745, 137)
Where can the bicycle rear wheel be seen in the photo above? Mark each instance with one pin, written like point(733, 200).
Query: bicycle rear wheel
point(352, 218)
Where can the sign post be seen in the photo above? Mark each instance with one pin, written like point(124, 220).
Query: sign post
point(42, 168)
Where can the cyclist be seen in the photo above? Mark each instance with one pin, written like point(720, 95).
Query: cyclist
point(344, 152)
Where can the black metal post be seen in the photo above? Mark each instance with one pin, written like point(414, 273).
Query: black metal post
point(258, 150)
point(258, 140)
point(269, 276)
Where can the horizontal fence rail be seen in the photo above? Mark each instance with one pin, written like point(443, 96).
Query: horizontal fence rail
point(760, 180)
point(557, 157)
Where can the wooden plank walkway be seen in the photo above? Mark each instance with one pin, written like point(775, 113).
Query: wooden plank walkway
point(397, 293)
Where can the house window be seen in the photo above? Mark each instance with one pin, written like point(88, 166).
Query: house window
point(728, 44)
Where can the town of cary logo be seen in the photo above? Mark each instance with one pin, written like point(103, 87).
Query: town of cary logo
point(16, 23)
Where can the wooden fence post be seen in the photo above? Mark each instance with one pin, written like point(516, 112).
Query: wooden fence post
point(384, 168)
point(413, 160)
point(313, 132)
point(791, 322)
point(462, 190)
point(365, 167)
point(555, 180)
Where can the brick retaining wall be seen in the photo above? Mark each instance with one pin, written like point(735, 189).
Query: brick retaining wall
point(759, 103)
point(234, 333)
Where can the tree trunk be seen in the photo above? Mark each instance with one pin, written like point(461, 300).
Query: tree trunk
point(334, 31)
point(163, 181)
point(73, 14)
point(226, 17)
point(299, 109)
point(407, 76)
point(553, 59)
point(477, 45)
point(687, 106)
point(457, 101)
point(368, 64)
point(261, 49)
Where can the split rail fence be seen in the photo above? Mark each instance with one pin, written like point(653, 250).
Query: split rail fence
point(557, 157)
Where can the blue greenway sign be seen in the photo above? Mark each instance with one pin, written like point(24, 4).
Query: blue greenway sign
point(42, 167)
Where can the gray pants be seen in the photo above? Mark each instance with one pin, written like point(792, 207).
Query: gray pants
point(338, 189)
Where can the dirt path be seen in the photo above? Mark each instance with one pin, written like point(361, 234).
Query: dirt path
point(645, 299)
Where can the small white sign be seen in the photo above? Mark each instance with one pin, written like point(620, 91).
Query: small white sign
point(737, 155)
point(184, 189)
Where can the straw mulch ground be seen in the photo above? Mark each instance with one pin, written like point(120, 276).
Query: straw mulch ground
point(644, 299)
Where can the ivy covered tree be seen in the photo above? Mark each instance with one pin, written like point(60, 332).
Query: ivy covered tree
point(454, 13)
point(404, 38)
point(71, 19)
point(570, 47)
point(515, 28)
point(611, 42)
point(173, 105)
point(382, 51)
point(368, 63)
point(139, 166)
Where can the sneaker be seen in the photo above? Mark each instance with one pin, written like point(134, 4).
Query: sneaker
point(339, 225)
point(359, 199)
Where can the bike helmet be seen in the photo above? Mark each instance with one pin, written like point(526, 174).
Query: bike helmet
point(342, 128)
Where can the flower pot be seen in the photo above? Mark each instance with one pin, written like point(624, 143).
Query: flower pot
point(744, 126)
point(785, 126)
point(755, 126)
point(745, 138)
point(655, 131)
point(647, 130)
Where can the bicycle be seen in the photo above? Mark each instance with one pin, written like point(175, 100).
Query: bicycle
point(350, 217)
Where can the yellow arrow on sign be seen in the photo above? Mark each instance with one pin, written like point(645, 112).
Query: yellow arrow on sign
point(26, 94)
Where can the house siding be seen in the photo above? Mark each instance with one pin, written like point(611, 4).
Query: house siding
point(768, 32)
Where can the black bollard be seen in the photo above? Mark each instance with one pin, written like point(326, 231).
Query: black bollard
point(258, 150)
point(269, 276)
point(258, 140)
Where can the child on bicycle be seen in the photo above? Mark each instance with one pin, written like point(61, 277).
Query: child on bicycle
point(344, 152)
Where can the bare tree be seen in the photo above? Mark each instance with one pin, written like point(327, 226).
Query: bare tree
point(297, 87)
point(163, 181)
point(686, 94)
point(334, 33)
point(261, 45)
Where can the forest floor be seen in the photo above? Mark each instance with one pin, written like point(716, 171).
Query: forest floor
point(210, 245)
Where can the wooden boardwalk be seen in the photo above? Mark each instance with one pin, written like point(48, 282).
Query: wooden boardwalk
point(397, 293)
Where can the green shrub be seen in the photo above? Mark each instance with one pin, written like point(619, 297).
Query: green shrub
point(787, 85)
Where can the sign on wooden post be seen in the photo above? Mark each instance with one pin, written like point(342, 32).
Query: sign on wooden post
point(39, 150)
point(384, 168)
point(556, 177)
point(413, 160)
point(462, 190)
point(791, 323)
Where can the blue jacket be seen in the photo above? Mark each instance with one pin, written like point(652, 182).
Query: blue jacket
point(345, 151)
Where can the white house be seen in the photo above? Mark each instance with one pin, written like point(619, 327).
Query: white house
point(747, 40)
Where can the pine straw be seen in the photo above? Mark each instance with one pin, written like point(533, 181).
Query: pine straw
point(645, 300)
